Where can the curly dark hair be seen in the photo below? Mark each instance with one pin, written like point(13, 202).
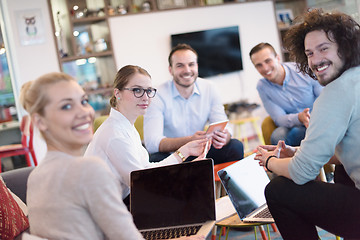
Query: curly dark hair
point(341, 27)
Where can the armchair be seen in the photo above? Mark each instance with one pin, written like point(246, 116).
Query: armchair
point(267, 127)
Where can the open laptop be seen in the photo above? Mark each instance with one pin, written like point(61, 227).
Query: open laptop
point(245, 182)
point(163, 199)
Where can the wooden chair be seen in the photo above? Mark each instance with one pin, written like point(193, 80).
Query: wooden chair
point(25, 148)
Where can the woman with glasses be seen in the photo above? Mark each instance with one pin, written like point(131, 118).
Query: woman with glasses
point(117, 140)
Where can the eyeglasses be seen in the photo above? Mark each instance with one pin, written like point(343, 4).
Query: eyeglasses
point(139, 92)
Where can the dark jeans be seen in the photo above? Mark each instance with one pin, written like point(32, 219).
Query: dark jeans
point(232, 151)
point(297, 209)
point(292, 136)
point(340, 176)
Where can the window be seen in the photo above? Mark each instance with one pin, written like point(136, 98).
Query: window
point(7, 101)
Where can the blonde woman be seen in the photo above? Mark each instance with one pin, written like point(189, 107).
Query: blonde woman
point(70, 196)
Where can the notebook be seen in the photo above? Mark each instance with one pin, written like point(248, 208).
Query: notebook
point(245, 182)
point(170, 197)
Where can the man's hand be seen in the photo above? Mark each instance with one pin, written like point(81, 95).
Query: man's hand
point(304, 117)
point(220, 138)
point(281, 150)
point(198, 135)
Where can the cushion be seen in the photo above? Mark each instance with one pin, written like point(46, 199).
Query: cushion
point(21, 204)
point(12, 219)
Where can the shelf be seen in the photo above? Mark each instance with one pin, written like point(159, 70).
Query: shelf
point(88, 19)
point(102, 91)
point(292, 9)
point(96, 54)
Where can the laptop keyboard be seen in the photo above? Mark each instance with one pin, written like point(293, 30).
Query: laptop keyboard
point(171, 232)
point(265, 213)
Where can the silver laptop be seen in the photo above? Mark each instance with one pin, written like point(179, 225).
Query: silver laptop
point(245, 182)
point(180, 197)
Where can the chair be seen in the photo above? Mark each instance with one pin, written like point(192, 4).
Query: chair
point(25, 148)
point(16, 181)
point(237, 131)
point(139, 123)
point(98, 121)
point(218, 186)
point(267, 127)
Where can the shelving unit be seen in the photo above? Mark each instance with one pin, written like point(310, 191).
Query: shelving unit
point(84, 45)
point(84, 41)
point(83, 38)
point(295, 8)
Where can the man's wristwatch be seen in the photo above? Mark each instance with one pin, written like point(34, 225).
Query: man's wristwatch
point(183, 158)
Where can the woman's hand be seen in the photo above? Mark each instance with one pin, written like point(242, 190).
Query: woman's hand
point(193, 148)
point(206, 150)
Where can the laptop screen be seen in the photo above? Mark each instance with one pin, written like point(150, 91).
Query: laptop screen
point(245, 182)
point(173, 195)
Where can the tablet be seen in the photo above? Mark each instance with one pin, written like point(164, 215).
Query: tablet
point(216, 126)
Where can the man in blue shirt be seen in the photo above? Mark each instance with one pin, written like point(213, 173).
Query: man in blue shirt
point(287, 94)
point(182, 108)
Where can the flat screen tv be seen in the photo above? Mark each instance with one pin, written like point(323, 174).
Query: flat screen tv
point(218, 49)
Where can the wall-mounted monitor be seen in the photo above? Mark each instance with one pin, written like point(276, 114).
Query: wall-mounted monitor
point(218, 49)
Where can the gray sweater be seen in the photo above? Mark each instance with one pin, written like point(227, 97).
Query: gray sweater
point(334, 129)
point(77, 198)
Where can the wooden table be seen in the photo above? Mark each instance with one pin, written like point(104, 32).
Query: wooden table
point(234, 222)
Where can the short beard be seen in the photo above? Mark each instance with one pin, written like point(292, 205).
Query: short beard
point(185, 85)
point(333, 78)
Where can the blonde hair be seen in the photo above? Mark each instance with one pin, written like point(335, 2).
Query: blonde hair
point(122, 78)
point(33, 94)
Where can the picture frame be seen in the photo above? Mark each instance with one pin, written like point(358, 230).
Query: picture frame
point(30, 26)
point(170, 4)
